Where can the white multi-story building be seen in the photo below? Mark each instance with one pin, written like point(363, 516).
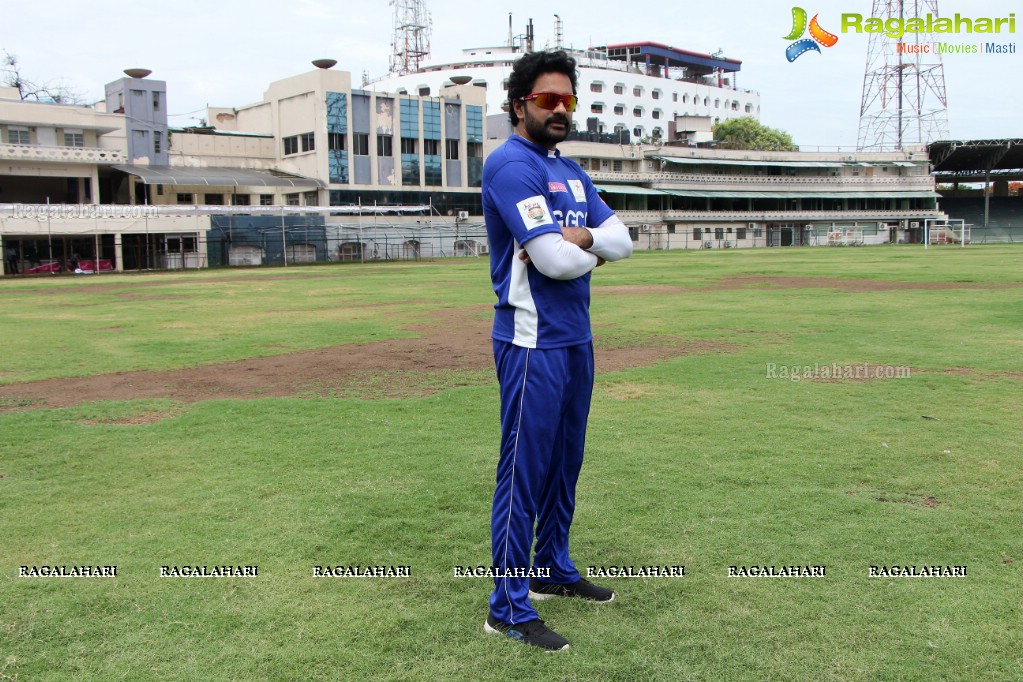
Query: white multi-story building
point(627, 91)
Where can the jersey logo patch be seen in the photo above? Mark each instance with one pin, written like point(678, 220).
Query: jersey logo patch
point(577, 190)
point(534, 212)
point(557, 187)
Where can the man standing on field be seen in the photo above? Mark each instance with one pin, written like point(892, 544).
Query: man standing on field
point(548, 230)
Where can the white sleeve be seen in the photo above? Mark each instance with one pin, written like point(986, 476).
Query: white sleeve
point(557, 258)
point(611, 240)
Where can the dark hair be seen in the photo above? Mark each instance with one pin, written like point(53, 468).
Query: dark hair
point(531, 66)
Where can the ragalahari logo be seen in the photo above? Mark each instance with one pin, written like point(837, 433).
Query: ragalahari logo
point(817, 35)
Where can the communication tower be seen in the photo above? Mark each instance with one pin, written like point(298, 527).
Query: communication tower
point(904, 101)
point(412, 28)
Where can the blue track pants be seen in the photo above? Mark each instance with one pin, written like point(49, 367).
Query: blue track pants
point(545, 402)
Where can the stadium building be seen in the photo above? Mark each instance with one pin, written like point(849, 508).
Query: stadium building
point(320, 170)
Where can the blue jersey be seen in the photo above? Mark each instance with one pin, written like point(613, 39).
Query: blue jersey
point(529, 191)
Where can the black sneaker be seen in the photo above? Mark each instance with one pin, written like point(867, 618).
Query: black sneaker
point(582, 588)
point(533, 633)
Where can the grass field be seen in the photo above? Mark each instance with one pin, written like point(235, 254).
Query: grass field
point(729, 428)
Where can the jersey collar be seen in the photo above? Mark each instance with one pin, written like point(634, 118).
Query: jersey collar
point(543, 151)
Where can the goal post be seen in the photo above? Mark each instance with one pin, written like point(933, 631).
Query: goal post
point(951, 231)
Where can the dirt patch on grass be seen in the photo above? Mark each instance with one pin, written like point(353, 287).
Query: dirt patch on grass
point(929, 502)
point(452, 348)
point(845, 284)
point(133, 420)
point(912, 499)
point(972, 372)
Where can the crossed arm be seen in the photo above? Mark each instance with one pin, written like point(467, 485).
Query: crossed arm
point(577, 250)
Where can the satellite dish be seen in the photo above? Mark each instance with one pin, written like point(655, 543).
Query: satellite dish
point(461, 80)
point(137, 73)
point(324, 63)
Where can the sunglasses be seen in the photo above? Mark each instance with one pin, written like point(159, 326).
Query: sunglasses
point(551, 100)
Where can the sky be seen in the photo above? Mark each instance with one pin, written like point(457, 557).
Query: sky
point(226, 53)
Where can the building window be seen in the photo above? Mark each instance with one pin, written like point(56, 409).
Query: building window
point(596, 87)
point(17, 135)
point(74, 138)
point(360, 144)
point(656, 113)
point(266, 200)
point(240, 200)
point(656, 94)
point(637, 112)
point(293, 199)
point(685, 99)
point(385, 145)
point(749, 108)
point(706, 101)
point(291, 145)
point(674, 97)
point(619, 110)
point(474, 144)
point(638, 132)
point(431, 147)
point(451, 150)
point(657, 133)
point(616, 165)
point(214, 200)
point(409, 169)
point(156, 101)
point(157, 141)
point(431, 121)
point(697, 233)
point(312, 198)
point(184, 199)
point(596, 108)
point(408, 145)
point(337, 126)
point(719, 233)
point(637, 91)
point(432, 174)
point(308, 142)
point(619, 88)
point(740, 233)
point(717, 104)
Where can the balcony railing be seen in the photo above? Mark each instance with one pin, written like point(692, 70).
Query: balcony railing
point(760, 182)
point(53, 154)
point(774, 216)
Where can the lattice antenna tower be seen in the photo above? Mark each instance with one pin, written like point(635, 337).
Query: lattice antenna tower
point(412, 29)
point(904, 101)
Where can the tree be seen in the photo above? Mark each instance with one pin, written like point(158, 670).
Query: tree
point(747, 132)
point(57, 92)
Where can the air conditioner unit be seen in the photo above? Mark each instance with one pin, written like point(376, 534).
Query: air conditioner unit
point(644, 227)
point(752, 226)
point(913, 225)
point(463, 215)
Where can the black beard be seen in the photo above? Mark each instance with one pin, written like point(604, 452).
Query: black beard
point(542, 135)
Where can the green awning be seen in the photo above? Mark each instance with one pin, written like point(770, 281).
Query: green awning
point(629, 189)
point(805, 194)
point(748, 162)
